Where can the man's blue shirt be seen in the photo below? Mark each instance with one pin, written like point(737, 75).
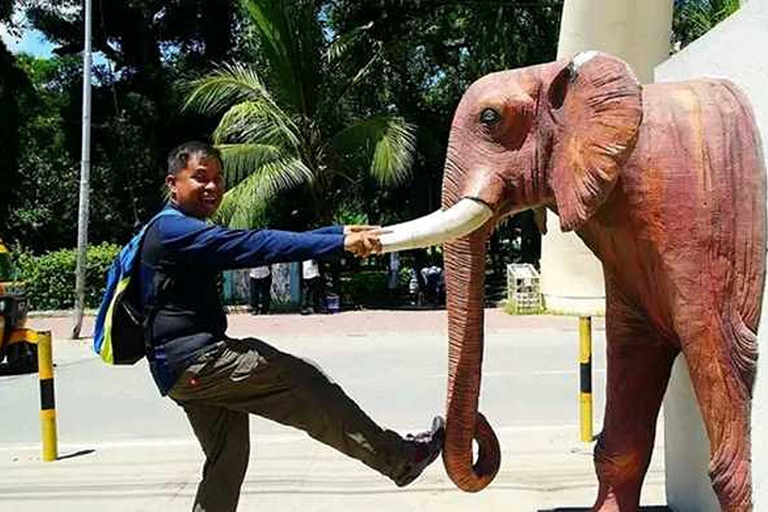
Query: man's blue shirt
point(181, 259)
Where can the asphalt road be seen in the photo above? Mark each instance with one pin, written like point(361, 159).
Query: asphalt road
point(392, 363)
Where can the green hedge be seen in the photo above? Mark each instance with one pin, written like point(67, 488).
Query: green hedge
point(364, 288)
point(50, 278)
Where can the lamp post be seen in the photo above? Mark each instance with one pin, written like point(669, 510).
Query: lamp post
point(85, 171)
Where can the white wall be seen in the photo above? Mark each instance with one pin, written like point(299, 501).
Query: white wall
point(686, 447)
point(736, 49)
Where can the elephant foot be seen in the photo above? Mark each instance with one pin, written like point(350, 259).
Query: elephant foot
point(620, 471)
point(730, 473)
point(616, 500)
point(736, 507)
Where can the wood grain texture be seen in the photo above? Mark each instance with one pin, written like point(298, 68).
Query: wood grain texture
point(666, 185)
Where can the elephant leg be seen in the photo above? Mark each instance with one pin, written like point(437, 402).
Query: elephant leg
point(639, 364)
point(721, 355)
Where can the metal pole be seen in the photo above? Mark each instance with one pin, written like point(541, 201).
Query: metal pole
point(85, 171)
point(47, 398)
point(585, 372)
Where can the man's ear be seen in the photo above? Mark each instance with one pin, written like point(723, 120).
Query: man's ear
point(170, 182)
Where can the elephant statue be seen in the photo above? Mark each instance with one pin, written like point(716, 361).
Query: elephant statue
point(666, 185)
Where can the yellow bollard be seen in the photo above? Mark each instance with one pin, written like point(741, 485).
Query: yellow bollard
point(47, 399)
point(585, 380)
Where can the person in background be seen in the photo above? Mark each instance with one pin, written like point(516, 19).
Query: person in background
point(261, 284)
point(393, 276)
point(312, 287)
point(219, 380)
point(433, 291)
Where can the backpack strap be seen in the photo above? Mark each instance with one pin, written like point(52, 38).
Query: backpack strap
point(165, 212)
point(150, 311)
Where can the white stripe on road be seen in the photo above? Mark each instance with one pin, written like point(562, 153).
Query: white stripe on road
point(266, 439)
point(543, 373)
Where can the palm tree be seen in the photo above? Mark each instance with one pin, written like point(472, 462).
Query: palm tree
point(290, 126)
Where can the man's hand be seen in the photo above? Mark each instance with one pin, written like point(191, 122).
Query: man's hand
point(362, 243)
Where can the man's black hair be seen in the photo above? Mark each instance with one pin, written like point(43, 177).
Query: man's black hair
point(180, 155)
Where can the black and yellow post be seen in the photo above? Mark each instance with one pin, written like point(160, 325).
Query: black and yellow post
point(47, 399)
point(585, 380)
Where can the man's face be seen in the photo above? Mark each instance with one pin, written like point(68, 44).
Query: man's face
point(198, 188)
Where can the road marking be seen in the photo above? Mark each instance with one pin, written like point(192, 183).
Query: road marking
point(263, 439)
point(543, 373)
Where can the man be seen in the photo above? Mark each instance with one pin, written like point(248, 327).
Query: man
point(261, 296)
point(218, 380)
point(312, 287)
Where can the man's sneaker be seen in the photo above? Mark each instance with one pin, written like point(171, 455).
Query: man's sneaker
point(425, 449)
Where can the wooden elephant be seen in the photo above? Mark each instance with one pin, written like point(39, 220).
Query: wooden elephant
point(665, 183)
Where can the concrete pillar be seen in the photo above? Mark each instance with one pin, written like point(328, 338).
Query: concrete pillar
point(637, 31)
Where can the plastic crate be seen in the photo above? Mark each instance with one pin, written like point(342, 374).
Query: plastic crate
point(523, 289)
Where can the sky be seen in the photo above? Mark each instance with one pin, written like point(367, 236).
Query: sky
point(34, 43)
point(30, 41)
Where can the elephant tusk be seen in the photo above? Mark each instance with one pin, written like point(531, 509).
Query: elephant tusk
point(443, 225)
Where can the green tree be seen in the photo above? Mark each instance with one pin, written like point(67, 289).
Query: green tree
point(13, 84)
point(146, 46)
point(47, 182)
point(694, 18)
point(431, 51)
point(292, 124)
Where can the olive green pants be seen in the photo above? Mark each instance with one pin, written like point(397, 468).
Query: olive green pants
point(241, 377)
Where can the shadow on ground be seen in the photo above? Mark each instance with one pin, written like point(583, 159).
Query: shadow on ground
point(587, 509)
point(7, 369)
point(79, 453)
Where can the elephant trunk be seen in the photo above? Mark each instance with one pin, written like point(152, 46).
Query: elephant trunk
point(465, 279)
point(462, 223)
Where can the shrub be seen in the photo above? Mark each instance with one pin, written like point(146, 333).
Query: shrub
point(365, 288)
point(50, 278)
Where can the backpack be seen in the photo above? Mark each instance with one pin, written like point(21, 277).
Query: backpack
point(119, 330)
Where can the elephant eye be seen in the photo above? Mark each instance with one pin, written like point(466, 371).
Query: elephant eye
point(489, 117)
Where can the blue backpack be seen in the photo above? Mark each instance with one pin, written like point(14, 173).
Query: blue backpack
point(119, 331)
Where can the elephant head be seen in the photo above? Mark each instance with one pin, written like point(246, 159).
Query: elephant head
point(551, 135)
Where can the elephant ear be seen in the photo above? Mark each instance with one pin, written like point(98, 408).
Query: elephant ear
point(596, 102)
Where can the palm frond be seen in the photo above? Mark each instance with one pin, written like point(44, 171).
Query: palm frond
point(361, 74)
point(226, 86)
point(238, 212)
point(244, 205)
point(343, 43)
point(291, 39)
point(235, 212)
point(258, 122)
point(387, 144)
point(272, 24)
point(240, 160)
point(275, 177)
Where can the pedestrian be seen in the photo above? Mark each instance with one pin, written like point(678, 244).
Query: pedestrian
point(219, 380)
point(393, 275)
point(433, 276)
point(312, 287)
point(261, 284)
